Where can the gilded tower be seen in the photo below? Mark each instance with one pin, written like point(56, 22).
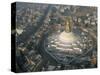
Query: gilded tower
point(68, 24)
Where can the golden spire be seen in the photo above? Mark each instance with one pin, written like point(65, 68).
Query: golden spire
point(68, 24)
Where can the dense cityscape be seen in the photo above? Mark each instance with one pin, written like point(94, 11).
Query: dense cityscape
point(37, 24)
